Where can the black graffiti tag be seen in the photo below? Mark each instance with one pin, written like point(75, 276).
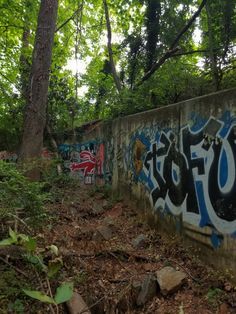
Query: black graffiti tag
point(223, 203)
point(198, 159)
point(176, 190)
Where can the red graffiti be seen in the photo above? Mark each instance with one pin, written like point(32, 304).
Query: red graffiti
point(88, 162)
point(46, 154)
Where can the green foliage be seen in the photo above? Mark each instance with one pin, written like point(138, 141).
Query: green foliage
point(39, 296)
point(50, 269)
point(17, 192)
point(142, 31)
point(63, 294)
point(17, 307)
point(20, 239)
point(214, 296)
point(10, 290)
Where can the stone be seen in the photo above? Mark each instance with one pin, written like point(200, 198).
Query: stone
point(223, 309)
point(148, 290)
point(97, 208)
point(135, 289)
point(115, 212)
point(170, 280)
point(102, 233)
point(105, 204)
point(109, 221)
point(76, 305)
point(140, 241)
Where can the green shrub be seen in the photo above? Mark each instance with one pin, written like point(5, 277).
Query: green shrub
point(17, 192)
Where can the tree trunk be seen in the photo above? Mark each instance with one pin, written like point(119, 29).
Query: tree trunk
point(35, 113)
point(109, 47)
point(173, 47)
point(24, 64)
point(153, 12)
point(212, 53)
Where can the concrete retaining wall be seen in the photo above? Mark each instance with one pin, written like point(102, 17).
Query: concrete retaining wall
point(179, 162)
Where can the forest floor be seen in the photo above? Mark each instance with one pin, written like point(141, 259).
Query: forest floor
point(108, 252)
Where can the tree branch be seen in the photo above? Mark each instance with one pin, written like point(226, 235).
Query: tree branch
point(11, 25)
point(69, 19)
point(189, 24)
point(172, 49)
point(185, 53)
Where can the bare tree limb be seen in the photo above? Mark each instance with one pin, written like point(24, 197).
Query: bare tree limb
point(173, 49)
point(109, 47)
point(11, 25)
point(69, 19)
point(185, 53)
point(189, 24)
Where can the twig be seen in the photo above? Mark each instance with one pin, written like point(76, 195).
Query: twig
point(186, 271)
point(99, 300)
point(14, 267)
point(117, 258)
point(91, 306)
point(38, 277)
point(22, 221)
point(69, 19)
point(50, 292)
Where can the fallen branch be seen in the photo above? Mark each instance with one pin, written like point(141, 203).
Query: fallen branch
point(91, 306)
point(14, 267)
point(185, 270)
point(51, 295)
point(22, 221)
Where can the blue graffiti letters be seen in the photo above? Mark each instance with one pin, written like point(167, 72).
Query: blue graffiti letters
point(196, 175)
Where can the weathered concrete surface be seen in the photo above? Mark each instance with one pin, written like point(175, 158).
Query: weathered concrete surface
point(179, 163)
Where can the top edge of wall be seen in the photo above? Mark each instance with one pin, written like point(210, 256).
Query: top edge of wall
point(186, 102)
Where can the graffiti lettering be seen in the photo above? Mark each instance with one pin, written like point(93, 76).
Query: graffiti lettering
point(195, 176)
point(87, 159)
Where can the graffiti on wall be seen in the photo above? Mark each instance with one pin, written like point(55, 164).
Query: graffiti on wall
point(191, 172)
point(87, 160)
point(8, 156)
point(12, 156)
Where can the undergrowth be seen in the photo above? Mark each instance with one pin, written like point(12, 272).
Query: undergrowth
point(19, 196)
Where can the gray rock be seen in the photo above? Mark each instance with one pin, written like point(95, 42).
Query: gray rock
point(170, 279)
point(140, 241)
point(109, 221)
point(105, 204)
point(148, 290)
point(76, 305)
point(97, 208)
point(102, 233)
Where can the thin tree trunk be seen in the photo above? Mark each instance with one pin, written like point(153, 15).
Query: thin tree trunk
point(173, 47)
point(212, 54)
point(35, 114)
point(109, 47)
point(24, 59)
point(54, 146)
point(152, 15)
point(24, 65)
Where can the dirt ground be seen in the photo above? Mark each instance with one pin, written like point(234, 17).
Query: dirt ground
point(103, 270)
point(95, 236)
